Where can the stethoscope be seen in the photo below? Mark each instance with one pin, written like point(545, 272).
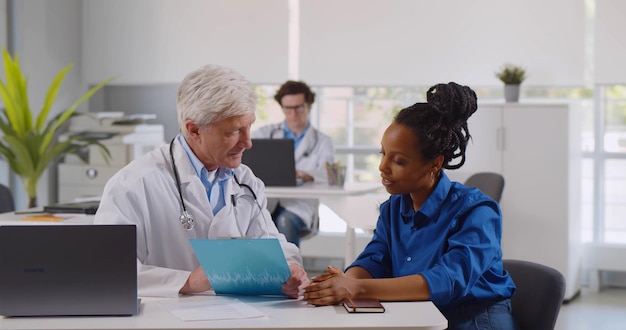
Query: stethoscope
point(309, 150)
point(188, 221)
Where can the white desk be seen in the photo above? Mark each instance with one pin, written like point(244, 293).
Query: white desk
point(280, 313)
point(347, 202)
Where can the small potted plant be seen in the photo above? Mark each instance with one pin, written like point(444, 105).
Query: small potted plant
point(512, 76)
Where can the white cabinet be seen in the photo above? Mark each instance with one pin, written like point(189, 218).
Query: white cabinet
point(538, 150)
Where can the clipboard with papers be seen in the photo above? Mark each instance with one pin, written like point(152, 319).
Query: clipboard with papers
point(243, 266)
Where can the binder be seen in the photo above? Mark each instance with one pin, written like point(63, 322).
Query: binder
point(89, 207)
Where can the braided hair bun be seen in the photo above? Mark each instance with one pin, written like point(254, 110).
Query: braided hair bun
point(441, 123)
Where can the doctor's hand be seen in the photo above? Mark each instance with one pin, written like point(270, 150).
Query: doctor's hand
point(196, 282)
point(306, 177)
point(296, 282)
point(330, 288)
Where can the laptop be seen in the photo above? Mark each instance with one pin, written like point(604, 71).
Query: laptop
point(273, 161)
point(243, 266)
point(68, 270)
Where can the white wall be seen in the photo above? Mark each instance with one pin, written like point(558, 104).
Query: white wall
point(160, 41)
point(353, 42)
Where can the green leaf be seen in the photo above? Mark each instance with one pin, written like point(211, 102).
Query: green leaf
point(22, 156)
point(51, 96)
point(14, 95)
point(55, 124)
point(11, 111)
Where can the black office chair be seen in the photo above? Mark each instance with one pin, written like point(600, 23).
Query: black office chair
point(6, 199)
point(539, 296)
point(492, 184)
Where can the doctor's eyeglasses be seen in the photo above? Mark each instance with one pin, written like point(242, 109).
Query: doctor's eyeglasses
point(297, 108)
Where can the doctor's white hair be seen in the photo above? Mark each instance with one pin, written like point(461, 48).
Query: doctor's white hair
point(212, 93)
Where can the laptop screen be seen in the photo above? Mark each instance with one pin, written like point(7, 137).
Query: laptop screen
point(65, 270)
point(273, 161)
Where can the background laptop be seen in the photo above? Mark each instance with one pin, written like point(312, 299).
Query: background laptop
point(273, 161)
point(64, 270)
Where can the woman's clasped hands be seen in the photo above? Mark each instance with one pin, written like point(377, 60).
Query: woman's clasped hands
point(330, 288)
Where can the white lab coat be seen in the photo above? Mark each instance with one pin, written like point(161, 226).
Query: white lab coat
point(144, 193)
point(311, 156)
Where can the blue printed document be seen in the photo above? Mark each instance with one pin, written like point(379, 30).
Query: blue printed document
point(245, 266)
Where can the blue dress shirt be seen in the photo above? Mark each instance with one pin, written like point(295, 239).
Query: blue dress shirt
point(453, 241)
point(213, 181)
point(289, 134)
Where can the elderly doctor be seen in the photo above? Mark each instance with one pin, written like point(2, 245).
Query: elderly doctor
point(196, 187)
point(313, 149)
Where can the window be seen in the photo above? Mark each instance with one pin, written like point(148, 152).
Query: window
point(607, 155)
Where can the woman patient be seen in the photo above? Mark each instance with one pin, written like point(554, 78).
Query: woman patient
point(435, 239)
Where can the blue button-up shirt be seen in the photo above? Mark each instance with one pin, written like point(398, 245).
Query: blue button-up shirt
point(289, 134)
point(213, 181)
point(453, 241)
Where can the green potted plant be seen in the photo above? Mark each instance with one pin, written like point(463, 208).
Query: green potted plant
point(30, 146)
point(512, 76)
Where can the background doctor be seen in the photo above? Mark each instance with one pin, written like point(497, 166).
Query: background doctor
point(199, 172)
point(313, 150)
